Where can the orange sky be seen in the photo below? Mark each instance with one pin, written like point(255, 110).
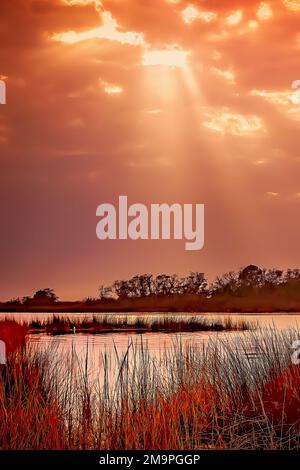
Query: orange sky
point(161, 100)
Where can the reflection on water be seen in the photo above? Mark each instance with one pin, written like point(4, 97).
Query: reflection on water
point(281, 320)
point(155, 342)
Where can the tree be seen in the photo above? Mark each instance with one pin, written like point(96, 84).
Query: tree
point(14, 301)
point(273, 278)
point(292, 274)
point(123, 289)
point(107, 293)
point(251, 276)
point(90, 300)
point(166, 285)
point(45, 296)
point(226, 284)
point(195, 283)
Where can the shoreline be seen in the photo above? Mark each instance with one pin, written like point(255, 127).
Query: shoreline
point(146, 313)
point(106, 325)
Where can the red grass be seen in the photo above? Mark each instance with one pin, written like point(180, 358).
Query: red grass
point(199, 417)
point(281, 396)
point(13, 334)
point(194, 415)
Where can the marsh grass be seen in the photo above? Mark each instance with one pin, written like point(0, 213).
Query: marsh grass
point(107, 324)
point(232, 393)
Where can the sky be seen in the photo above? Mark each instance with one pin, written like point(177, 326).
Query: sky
point(163, 101)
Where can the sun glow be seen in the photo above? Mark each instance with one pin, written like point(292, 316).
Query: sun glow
point(169, 58)
point(97, 3)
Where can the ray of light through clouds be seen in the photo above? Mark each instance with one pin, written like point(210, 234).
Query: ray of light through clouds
point(163, 100)
point(169, 58)
point(98, 3)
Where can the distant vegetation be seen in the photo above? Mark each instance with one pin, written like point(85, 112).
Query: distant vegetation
point(108, 324)
point(251, 289)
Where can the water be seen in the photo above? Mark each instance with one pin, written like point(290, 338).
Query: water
point(95, 353)
point(156, 342)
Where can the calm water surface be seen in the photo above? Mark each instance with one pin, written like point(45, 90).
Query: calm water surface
point(93, 350)
point(155, 341)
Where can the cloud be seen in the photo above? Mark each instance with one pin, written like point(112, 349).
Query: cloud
point(226, 74)
point(66, 136)
point(274, 97)
point(224, 122)
point(264, 12)
point(192, 13)
point(109, 30)
point(293, 5)
point(235, 17)
point(286, 101)
point(111, 88)
point(252, 24)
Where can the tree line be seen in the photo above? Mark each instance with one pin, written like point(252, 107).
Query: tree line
point(244, 282)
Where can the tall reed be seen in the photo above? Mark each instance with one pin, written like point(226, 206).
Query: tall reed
point(232, 393)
